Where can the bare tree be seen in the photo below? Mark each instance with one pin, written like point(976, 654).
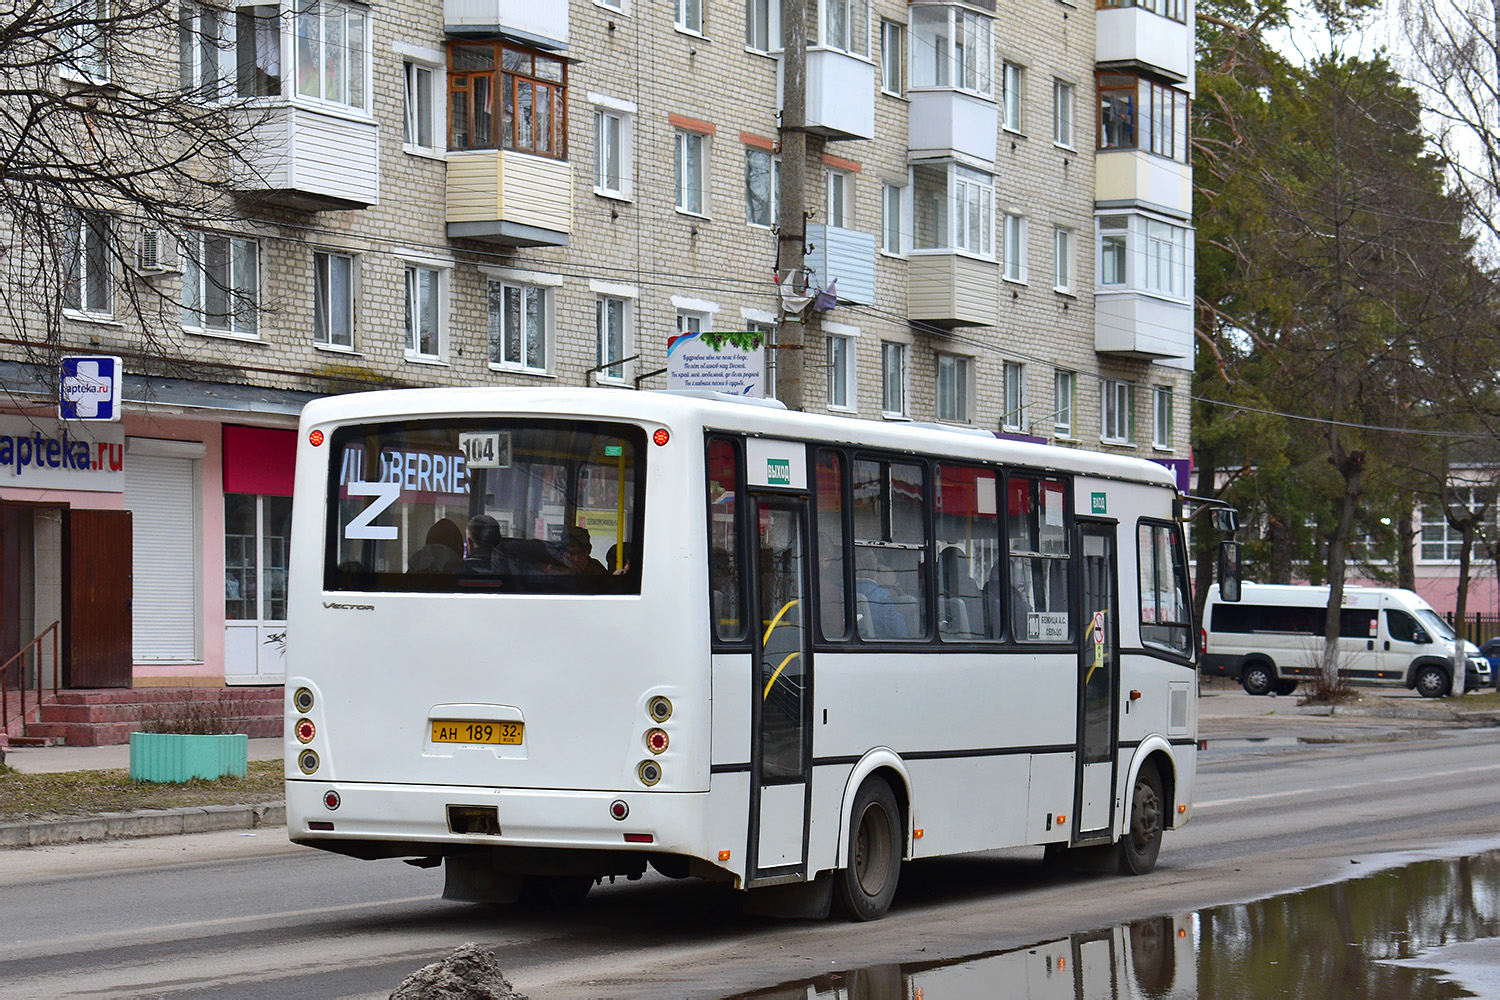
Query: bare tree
point(121, 133)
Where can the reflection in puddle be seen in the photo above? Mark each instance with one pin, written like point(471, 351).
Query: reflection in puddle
point(1350, 939)
point(1254, 742)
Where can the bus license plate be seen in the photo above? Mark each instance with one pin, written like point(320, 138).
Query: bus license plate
point(464, 731)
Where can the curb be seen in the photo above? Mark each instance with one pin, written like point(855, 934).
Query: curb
point(141, 823)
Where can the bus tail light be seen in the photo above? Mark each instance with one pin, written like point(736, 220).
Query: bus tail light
point(302, 701)
point(639, 838)
point(308, 761)
point(649, 771)
point(331, 799)
point(1203, 642)
point(315, 438)
point(656, 740)
point(306, 730)
point(661, 437)
point(659, 708)
point(619, 809)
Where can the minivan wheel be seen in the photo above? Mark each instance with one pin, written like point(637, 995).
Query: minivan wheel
point(1433, 682)
point(1284, 687)
point(1257, 678)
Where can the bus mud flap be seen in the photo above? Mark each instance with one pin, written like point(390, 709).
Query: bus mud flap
point(793, 901)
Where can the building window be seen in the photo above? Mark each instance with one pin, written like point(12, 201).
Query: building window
point(1013, 385)
point(613, 160)
point(1062, 259)
point(424, 311)
point(846, 26)
point(1062, 113)
point(692, 172)
point(333, 300)
point(1011, 80)
point(767, 332)
point(973, 199)
point(88, 281)
point(332, 52)
point(84, 41)
point(689, 16)
point(763, 25)
point(221, 285)
point(531, 89)
point(953, 377)
point(1114, 233)
point(1064, 398)
point(1439, 541)
point(762, 186)
point(952, 47)
point(257, 530)
point(840, 371)
point(840, 201)
point(693, 321)
point(893, 379)
point(1174, 9)
point(200, 43)
point(1161, 426)
point(1118, 411)
point(611, 321)
point(257, 43)
point(520, 326)
point(892, 58)
point(418, 130)
point(1166, 259)
point(1137, 113)
point(1013, 253)
point(892, 219)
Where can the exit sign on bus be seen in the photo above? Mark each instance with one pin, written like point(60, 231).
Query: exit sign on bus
point(1097, 504)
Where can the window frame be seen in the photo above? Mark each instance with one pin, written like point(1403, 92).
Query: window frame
point(1161, 417)
point(624, 142)
point(413, 106)
point(893, 379)
point(773, 196)
point(527, 292)
point(617, 374)
point(1013, 257)
point(850, 42)
point(683, 141)
point(195, 279)
point(689, 16)
point(323, 298)
point(838, 197)
point(82, 35)
point(352, 76)
point(1013, 397)
point(955, 405)
point(1064, 113)
point(1065, 402)
point(763, 16)
point(893, 219)
point(1062, 260)
point(841, 372)
point(892, 57)
point(506, 83)
point(1012, 96)
point(1116, 411)
point(89, 250)
point(1156, 119)
point(413, 335)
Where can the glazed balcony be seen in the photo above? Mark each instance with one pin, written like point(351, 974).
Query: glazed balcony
point(1135, 37)
point(944, 122)
point(1143, 327)
point(311, 159)
point(1135, 177)
point(952, 289)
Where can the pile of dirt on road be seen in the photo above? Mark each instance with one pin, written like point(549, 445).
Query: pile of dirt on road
point(470, 973)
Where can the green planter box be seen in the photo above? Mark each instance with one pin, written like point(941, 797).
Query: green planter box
point(179, 757)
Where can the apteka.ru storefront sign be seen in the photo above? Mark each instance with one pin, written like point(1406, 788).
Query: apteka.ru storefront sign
point(45, 454)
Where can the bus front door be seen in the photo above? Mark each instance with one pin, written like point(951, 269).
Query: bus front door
point(781, 719)
point(1098, 678)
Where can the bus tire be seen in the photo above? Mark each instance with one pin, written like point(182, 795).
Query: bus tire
point(866, 884)
point(1143, 833)
point(1257, 677)
point(1432, 681)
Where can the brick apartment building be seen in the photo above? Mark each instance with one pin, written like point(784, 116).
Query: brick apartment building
point(534, 192)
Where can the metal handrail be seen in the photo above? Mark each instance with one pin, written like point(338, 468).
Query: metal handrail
point(55, 630)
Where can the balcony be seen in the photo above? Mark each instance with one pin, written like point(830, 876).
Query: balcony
point(311, 160)
point(952, 289)
point(945, 123)
point(1144, 328)
point(1135, 37)
point(840, 94)
point(1133, 177)
point(509, 199)
point(543, 25)
point(845, 256)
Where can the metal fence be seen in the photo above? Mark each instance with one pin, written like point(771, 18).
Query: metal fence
point(1476, 627)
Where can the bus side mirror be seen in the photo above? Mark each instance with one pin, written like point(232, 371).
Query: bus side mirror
point(1229, 571)
point(1225, 519)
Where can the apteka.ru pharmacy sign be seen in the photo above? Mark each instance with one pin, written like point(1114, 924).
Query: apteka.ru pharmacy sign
point(45, 454)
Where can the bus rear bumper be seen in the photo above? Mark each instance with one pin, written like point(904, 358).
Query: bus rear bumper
point(436, 819)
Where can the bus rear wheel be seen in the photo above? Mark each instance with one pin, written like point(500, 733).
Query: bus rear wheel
point(866, 884)
point(1142, 840)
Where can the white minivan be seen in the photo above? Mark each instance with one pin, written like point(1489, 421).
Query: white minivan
point(1274, 635)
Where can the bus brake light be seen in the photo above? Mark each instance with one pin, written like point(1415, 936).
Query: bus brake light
point(315, 438)
point(660, 437)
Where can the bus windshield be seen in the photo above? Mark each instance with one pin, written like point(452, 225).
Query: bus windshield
point(486, 504)
point(1435, 624)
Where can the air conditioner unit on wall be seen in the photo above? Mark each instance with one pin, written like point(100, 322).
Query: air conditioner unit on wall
point(156, 252)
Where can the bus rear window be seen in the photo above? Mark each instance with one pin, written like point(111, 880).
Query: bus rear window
point(486, 505)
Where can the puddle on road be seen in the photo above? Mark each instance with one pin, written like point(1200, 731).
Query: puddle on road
point(1255, 742)
point(1366, 938)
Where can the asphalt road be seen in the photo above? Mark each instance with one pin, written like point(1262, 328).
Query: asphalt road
point(239, 915)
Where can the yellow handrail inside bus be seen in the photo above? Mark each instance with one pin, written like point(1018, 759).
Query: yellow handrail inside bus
point(784, 609)
point(789, 658)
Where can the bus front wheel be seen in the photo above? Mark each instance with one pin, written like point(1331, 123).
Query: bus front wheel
point(1142, 840)
point(866, 884)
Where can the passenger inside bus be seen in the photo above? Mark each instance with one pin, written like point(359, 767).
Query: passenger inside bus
point(479, 544)
point(886, 619)
point(579, 553)
point(443, 551)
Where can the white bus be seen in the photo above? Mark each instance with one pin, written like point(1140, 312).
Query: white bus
point(724, 640)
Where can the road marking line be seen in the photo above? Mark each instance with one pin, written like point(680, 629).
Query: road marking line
point(1323, 790)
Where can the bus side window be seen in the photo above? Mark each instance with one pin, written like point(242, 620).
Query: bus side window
point(726, 583)
point(833, 589)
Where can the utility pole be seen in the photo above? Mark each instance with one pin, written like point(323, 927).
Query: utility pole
point(791, 231)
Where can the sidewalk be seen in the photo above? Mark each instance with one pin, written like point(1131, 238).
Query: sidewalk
point(142, 823)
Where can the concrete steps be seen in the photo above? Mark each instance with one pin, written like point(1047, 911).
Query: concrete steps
point(106, 717)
